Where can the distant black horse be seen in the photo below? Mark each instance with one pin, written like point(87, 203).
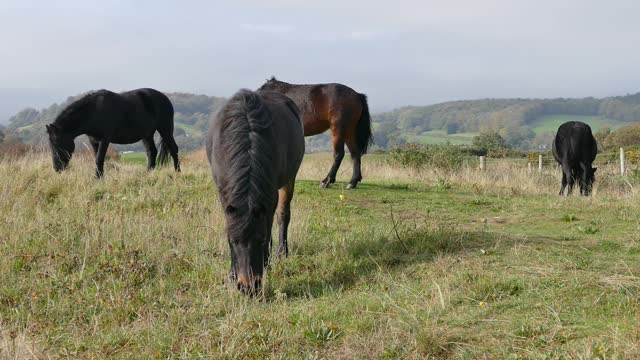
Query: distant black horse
point(575, 149)
point(107, 117)
point(255, 146)
point(336, 107)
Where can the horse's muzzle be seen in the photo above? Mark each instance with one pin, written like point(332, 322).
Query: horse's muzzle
point(249, 285)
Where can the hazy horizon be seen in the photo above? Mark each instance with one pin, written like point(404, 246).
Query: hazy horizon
point(405, 53)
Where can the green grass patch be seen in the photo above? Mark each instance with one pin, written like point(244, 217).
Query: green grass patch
point(437, 137)
point(550, 123)
point(138, 158)
point(135, 266)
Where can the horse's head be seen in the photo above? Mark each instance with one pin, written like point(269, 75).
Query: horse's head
point(62, 146)
point(591, 178)
point(586, 183)
point(249, 236)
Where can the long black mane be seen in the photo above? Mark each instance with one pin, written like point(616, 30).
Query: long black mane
point(255, 145)
point(244, 122)
point(73, 113)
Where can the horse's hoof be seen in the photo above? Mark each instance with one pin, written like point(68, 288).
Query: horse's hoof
point(324, 185)
point(351, 186)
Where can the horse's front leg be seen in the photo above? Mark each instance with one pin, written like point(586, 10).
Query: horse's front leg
point(283, 213)
point(102, 153)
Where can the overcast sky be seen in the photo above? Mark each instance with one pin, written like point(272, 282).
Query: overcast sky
point(397, 52)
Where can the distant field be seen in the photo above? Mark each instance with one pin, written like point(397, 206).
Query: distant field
point(26, 127)
point(134, 158)
point(441, 137)
point(188, 129)
point(550, 123)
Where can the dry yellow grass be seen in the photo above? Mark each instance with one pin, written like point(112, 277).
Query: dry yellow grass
point(135, 265)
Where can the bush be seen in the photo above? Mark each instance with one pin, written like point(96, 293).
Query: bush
point(444, 157)
point(625, 136)
point(633, 155)
point(502, 153)
point(488, 140)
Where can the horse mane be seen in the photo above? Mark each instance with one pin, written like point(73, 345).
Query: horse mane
point(244, 125)
point(67, 117)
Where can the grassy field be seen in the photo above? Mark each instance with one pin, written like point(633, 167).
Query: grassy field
point(551, 123)
point(136, 157)
point(413, 264)
point(441, 137)
point(544, 124)
point(189, 129)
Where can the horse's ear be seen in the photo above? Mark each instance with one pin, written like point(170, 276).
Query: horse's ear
point(273, 78)
point(52, 128)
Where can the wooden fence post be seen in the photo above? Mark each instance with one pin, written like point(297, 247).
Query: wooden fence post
point(482, 159)
point(540, 163)
point(622, 161)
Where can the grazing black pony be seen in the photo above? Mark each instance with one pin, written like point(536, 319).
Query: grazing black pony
point(575, 149)
point(336, 107)
point(107, 117)
point(255, 146)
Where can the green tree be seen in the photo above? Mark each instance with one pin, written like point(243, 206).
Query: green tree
point(489, 140)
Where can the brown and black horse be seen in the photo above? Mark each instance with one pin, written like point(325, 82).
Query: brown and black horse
point(336, 107)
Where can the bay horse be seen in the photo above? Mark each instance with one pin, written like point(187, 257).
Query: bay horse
point(336, 107)
point(255, 146)
point(108, 117)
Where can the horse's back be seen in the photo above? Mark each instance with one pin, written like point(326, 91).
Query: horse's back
point(154, 102)
point(279, 128)
point(574, 142)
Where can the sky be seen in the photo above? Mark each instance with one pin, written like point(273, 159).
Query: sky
point(402, 52)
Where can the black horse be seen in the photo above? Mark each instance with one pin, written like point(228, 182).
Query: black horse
point(336, 107)
point(255, 146)
point(107, 117)
point(575, 149)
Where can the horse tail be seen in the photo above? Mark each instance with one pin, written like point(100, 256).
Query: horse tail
point(163, 154)
point(364, 137)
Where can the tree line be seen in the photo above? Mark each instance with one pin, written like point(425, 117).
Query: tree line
point(508, 117)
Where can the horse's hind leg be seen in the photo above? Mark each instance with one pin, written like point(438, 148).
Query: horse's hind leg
point(170, 143)
point(570, 180)
point(283, 213)
point(94, 145)
point(173, 150)
point(356, 156)
point(102, 152)
point(564, 183)
point(338, 155)
point(152, 152)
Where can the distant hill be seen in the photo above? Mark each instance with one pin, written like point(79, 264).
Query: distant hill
point(524, 123)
